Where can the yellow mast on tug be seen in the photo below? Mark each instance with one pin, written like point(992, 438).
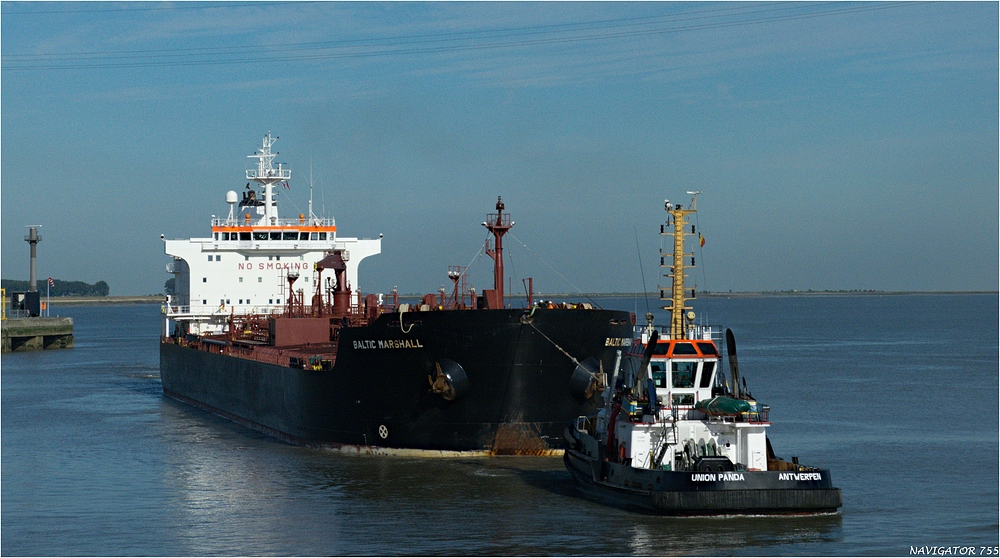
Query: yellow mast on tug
point(677, 308)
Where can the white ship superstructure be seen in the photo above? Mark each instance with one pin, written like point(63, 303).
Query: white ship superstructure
point(243, 267)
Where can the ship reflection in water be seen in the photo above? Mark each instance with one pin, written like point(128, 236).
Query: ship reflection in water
point(239, 491)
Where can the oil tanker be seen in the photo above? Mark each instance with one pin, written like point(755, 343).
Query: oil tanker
point(267, 326)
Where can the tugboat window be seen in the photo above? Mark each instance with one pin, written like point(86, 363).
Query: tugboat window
point(290, 236)
point(303, 236)
point(661, 349)
point(322, 236)
point(683, 374)
point(706, 374)
point(260, 236)
point(659, 374)
point(684, 349)
point(276, 236)
point(313, 236)
point(683, 399)
point(707, 348)
point(244, 236)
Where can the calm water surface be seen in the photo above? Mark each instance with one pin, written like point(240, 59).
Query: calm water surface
point(897, 395)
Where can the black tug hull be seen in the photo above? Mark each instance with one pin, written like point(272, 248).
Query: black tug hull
point(376, 399)
point(696, 493)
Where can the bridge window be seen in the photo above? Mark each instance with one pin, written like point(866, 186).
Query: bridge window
point(707, 348)
point(659, 370)
point(313, 236)
point(276, 236)
point(290, 236)
point(260, 236)
point(322, 236)
point(304, 236)
point(245, 236)
point(706, 374)
point(684, 349)
point(683, 374)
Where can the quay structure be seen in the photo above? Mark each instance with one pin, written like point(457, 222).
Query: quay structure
point(33, 333)
point(30, 331)
point(27, 334)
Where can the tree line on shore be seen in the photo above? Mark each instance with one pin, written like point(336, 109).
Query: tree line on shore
point(59, 287)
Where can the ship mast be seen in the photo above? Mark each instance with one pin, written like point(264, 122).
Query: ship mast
point(678, 215)
point(497, 223)
point(267, 176)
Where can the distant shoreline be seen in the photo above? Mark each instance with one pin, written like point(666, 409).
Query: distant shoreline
point(92, 300)
point(160, 299)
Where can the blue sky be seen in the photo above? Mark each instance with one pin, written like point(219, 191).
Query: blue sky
point(838, 145)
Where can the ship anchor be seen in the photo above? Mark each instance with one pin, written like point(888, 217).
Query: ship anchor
point(451, 382)
point(440, 385)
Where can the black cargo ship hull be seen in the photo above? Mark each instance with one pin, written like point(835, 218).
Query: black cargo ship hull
point(704, 493)
point(377, 396)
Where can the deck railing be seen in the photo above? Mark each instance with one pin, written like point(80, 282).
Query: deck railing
point(283, 222)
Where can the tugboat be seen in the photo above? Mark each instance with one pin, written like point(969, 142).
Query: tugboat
point(676, 438)
point(267, 327)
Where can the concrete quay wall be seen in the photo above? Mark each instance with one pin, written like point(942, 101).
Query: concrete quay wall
point(27, 334)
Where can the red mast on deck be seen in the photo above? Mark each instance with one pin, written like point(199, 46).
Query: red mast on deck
point(497, 223)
